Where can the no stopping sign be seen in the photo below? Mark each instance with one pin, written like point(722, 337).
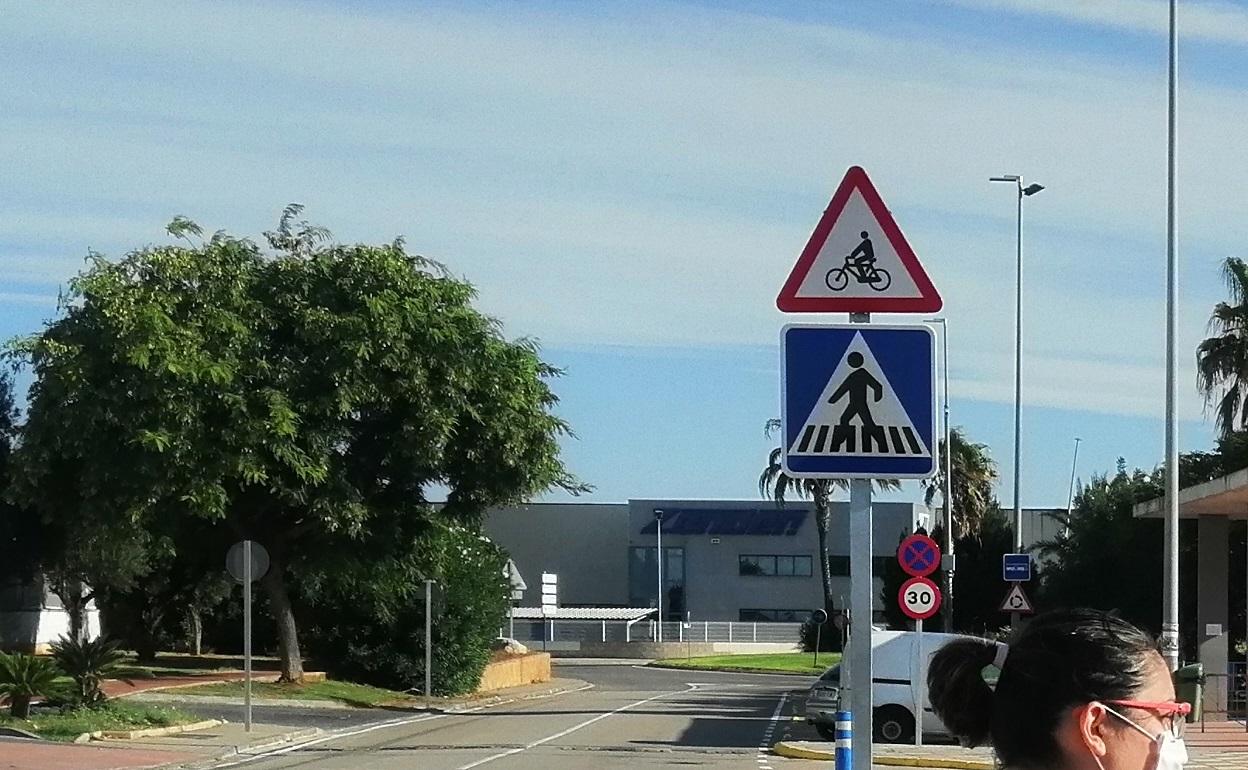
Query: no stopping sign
point(919, 598)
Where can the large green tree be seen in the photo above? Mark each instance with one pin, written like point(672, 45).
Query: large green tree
point(307, 397)
point(1222, 359)
point(973, 496)
point(774, 483)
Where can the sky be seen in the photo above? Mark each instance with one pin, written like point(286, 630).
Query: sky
point(630, 183)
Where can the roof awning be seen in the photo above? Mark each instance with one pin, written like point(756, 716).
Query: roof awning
point(586, 613)
point(1226, 496)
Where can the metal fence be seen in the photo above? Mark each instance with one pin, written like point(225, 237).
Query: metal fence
point(1236, 692)
point(603, 631)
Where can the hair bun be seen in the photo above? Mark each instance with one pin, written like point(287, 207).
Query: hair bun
point(959, 694)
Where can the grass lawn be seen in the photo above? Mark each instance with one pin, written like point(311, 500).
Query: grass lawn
point(112, 715)
point(360, 695)
point(787, 662)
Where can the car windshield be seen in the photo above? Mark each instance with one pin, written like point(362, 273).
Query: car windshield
point(832, 675)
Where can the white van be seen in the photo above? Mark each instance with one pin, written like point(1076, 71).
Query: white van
point(895, 691)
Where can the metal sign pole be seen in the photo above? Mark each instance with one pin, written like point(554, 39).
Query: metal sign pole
point(860, 593)
point(428, 638)
point(918, 711)
point(247, 635)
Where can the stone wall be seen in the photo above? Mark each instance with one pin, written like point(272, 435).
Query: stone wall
point(532, 668)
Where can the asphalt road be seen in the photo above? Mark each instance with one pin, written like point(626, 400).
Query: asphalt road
point(631, 717)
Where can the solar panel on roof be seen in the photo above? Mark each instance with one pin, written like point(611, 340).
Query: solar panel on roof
point(728, 521)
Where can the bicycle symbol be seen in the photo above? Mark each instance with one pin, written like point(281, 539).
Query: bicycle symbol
point(877, 278)
point(861, 265)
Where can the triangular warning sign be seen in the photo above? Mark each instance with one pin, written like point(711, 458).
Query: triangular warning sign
point(1016, 601)
point(858, 414)
point(857, 260)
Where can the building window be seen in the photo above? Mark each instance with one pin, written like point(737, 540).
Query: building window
point(773, 616)
point(774, 565)
point(838, 566)
point(643, 578)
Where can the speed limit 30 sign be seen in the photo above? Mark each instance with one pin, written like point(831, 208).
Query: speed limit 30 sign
point(919, 598)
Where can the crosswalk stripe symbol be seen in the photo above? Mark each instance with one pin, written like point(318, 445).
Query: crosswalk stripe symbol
point(858, 414)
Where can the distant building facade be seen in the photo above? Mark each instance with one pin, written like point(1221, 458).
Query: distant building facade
point(723, 559)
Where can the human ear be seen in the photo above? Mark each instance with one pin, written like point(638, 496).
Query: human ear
point(1091, 722)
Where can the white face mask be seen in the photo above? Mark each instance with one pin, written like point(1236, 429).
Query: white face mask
point(1171, 750)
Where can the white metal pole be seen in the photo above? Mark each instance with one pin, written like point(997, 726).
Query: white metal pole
point(1018, 377)
point(658, 636)
point(247, 635)
point(947, 490)
point(861, 594)
point(1070, 495)
point(429, 638)
point(1170, 610)
point(919, 691)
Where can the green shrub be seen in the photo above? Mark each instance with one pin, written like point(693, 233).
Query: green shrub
point(23, 677)
point(367, 624)
point(88, 662)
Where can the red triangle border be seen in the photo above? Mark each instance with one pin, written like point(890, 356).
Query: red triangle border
point(929, 300)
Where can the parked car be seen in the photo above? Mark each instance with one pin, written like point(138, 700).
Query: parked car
point(895, 689)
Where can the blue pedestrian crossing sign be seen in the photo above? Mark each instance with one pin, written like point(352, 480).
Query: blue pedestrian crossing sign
point(858, 401)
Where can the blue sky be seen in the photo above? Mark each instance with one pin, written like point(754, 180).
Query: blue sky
point(631, 182)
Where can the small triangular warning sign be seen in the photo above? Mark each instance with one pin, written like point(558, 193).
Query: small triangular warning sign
point(857, 260)
point(858, 414)
point(1016, 601)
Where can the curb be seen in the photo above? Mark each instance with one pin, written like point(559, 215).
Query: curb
point(157, 732)
point(792, 751)
point(768, 671)
point(257, 748)
point(459, 707)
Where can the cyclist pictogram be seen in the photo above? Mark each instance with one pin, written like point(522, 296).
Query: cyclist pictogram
point(859, 264)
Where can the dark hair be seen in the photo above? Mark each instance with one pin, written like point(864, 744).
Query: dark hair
point(1058, 660)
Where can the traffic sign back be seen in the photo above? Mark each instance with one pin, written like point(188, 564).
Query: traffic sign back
point(919, 555)
point(858, 401)
point(857, 260)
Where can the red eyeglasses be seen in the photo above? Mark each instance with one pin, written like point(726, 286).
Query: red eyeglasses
point(1170, 712)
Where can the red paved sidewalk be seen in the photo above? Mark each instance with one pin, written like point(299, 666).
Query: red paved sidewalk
point(117, 689)
point(18, 754)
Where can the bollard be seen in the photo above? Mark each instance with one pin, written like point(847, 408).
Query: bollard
point(844, 740)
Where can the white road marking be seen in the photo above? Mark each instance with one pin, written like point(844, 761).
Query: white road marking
point(764, 746)
point(400, 722)
point(570, 730)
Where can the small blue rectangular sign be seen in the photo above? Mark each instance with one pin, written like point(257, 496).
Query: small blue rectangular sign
point(1016, 567)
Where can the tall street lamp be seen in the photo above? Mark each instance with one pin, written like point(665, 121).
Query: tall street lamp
point(1023, 192)
point(658, 520)
point(946, 491)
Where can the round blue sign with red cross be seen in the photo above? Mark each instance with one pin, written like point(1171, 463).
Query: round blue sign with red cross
point(919, 555)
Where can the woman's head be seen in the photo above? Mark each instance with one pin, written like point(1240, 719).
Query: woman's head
point(1078, 689)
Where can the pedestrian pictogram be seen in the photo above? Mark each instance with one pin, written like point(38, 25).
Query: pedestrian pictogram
point(857, 260)
point(858, 401)
point(919, 598)
point(919, 555)
point(1016, 601)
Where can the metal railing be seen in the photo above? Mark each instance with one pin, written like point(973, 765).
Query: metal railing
point(605, 631)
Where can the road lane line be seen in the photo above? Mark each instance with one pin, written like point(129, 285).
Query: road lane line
point(570, 730)
point(764, 746)
point(350, 732)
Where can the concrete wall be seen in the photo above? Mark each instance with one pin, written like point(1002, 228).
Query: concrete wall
point(585, 544)
point(1212, 613)
point(533, 668)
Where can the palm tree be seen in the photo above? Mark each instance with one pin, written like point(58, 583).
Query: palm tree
point(1222, 360)
point(974, 479)
point(773, 482)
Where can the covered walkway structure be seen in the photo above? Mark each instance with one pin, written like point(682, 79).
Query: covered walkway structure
point(1213, 504)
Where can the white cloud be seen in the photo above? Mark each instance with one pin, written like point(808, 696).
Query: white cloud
point(636, 177)
point(1214, 22)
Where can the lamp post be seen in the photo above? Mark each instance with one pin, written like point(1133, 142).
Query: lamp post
point(947, 490)
point(1170, 603)
point(1070, 495)
point(1023, 192)
point(658, 520)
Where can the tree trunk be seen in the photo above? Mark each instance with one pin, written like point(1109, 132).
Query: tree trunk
point(822, 516)
point(274, 584)
point(74, 599)
point(19, 706)
point(197, 631)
